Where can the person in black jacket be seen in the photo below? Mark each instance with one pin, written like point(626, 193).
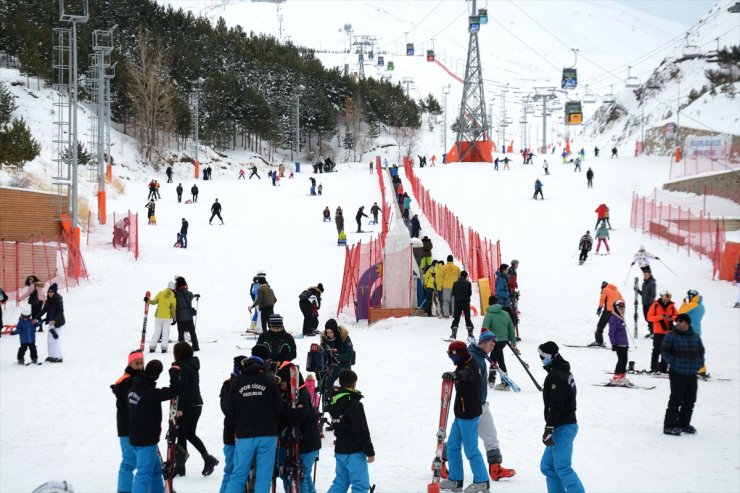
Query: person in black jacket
point(145, 424)
point(184, 233)
point(121, 389)
point(189, 407)
point(353, 448)
point(216, 211)
point(279, 343)
point(304, 303)
point(194, 192)
point(561, 427)
point(464, 430)
point(461, 293)
point(358, 217)
point(54, 310)
point(179, 191)
point(336, 342)
point(254, 405)
point(229, 436)
point(184, 312)
point(648, 294)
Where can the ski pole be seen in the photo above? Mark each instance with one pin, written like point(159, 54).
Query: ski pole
point(526, 367)
point(628, 274)
point(195, 318)
point(669, 269)
point(146, 314)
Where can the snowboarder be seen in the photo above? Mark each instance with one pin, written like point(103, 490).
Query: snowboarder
point(194, 193)
point(662, 314)
point(375, 210)
point(415, 226)
point(121, 389)
point(499, 323)
point(642, 257)
point(254, 172)
point(168, 172)
point(166, 312)
point(358, 217)
point(451, 273)
point(602, 235)
point(150, 209)
point(590, 178)
point(184, 312)
point(584, 245)
point(461, 292)
point(216, 212)
point(54, 310)
point(184, 233)
point(265, 301)
point(304, 303)
point(464, 430)
point(620, 344)
point(683, 350)
point(609, 295)
point(561, 427)
point(27, 336)
point(327, 214)
point(647, 294)
point(353, 448)
point(538, 189)
point(278, 342)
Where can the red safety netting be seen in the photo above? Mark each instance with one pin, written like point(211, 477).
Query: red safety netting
point(51, 260)
point(121, 231)
point(479, 255)
point(698, 233)
point(690, 166)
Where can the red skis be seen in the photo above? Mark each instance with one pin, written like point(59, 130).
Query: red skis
point(146, 314)
point(444, 411)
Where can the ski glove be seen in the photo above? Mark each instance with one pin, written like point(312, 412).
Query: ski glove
point(598, 311)
point(547, 436)
point(146, 299)
point(657, 258)
point(54, 333)
point(196, 296)
point(449, 375)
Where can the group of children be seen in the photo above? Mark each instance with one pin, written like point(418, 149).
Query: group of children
point(32, 320)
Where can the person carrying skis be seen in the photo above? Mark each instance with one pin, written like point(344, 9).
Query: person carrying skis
point(464, 430)
point(27, 336)
point(561, 427)
point(662, 314)
point(216, 211)
point(620, 344)
point(194, 193)
point(358, 217)
point(54, 310)
point(415, 226)
point(278, 342)
point(450, 274)
point(254, 406)
point(647, 294)
point(353, 447)
point(683, 350)
point(179, 191)
point(584, 245)
point(461, 292)
point(643, 257)
point(150, 208)
point(375, 210)
point(499, 323)
point(609, 295)
point(538, 189)
point(166, 312)
point(602, 235)
point(339, 220)
point(590, 178)
point(145, 424)
point(265, 302)
point(304, 303)
point(121, 389)
point(693, 306)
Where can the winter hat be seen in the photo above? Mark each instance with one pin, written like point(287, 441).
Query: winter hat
point(26, 311)
point(320, 287)
point(331, 324)
point(683, 317)
point(171, 285)
point(261, 351)
point(275, 320)
point(464, 273)
point(604, 284)
point(134, 355)
point(237, 364)
point(692, 292)
point(53, 287)
point(180, 282)
point(153, 369)
point(457, 347)
point(514, 262)
point(548, 350)
point(486, 336)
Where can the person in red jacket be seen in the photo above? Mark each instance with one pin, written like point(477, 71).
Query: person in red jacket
point(602, 214)
point(661, 315)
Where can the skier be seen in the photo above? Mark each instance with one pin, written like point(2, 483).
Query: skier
point(254, 172)
point(278, 342)
point(265, 301)
point(54, 310)
point(620, 344)
point(184, 312)
point(499, 323)
point(614, 153)
point(561, 427)
point(375, 210)
point(538, 189)
point(26, 335)
point(254, 406)
point(642, 257)
point(426, 254)
point(415, 226)
point(189, 407)
point(662, 313)
point(304, 303)
point(693, 306)
point(609, 295)
point(546, 167)
point(353, 448)
point(150, 207)
point(216, 211)
point(168, 172)
point(358, 217)
point(602, 235)
point(184, 232)
point(647, 294)
point(464, 429)
point(461, 292)
point(339, 220)
point(684, 351)
point(179, 191)
point(590, 178)
point(145, 424)
point(602, 215)
point(194, 193)
point(451, 273)
point(584, 245)
point(166, 303)
point(121, 389)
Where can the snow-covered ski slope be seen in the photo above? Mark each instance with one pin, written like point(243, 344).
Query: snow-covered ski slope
point(58, 420)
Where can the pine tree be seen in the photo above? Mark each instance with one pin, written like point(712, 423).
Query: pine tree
point(7, 105)
point(17, 145)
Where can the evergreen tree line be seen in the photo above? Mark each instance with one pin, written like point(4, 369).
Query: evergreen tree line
point(17, 145)
point(249, 80)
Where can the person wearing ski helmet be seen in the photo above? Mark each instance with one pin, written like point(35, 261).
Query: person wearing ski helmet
point(561, 426)
point(620, 344)
point(693, 306)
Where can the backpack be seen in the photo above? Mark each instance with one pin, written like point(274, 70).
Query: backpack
point(316, 360)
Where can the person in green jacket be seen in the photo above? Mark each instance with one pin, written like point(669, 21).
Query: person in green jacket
point(499, 323)
point(164, 317)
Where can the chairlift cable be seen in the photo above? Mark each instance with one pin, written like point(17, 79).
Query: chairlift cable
point(415, 25)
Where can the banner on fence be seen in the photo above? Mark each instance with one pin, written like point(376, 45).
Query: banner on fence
point(714, 146)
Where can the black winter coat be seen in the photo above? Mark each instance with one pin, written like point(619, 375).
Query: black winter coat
point(36, 304)
point(121, 389)
point(54, 310)
point(468, 390)
point(254, 401)
point(189, 386)
point(184, 301)
point(341, 349)
point(559, 393)
point(229, 422)
point(306, 295)
point(462, 290)
point(304, 417)
point(280, 344)
point(216, 208)
point(349, 422)
point(145, 409)
point(648, 291)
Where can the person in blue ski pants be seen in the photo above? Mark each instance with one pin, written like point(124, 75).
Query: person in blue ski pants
point(556, 462)
point(308, 459)
point(228, 466)
point(148, 477)
point(245, 452)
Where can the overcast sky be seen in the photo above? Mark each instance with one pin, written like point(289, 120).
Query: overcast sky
point(684, 11)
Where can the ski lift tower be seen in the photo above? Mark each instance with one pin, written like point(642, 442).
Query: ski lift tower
point(193, 104)
point(473, 142)
point(361, 42)
point(544, 94)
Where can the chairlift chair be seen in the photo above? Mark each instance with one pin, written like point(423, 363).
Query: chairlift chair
point(573, 113)
point(609, 98)
point(473, 23)
point(430, 55)
point(370, 55)
point(381, 60)
point(483, 16)
point(689, 49)
point(409, 49)
point(390, 66)
point(570, 79)
point(589, 97)
point(631, 82)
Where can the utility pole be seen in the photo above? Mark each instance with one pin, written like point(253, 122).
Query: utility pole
point(445, 92)
point(297, 92)
point(408, 81)
point(197, 87)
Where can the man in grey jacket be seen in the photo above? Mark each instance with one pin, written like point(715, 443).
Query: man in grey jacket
point(648, 296)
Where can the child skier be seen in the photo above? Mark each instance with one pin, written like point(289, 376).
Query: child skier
point(585, 245)
point(602, 235)
point(25, 329)
point(327, 214)
point(620, 344)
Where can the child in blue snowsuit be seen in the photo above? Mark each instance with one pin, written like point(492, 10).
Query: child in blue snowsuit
point(27, 333)
point(253, 294)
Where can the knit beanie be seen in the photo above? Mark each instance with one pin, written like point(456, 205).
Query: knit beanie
point(275, 320)
point(486, 336)
point(153, 369)
point(237, 364)
point(549, 348)
point(261, 351)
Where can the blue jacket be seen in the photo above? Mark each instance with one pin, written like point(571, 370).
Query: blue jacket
point(694, 308)
point(502, 290)
point(407, 202)
point(480, 358)
point(537, 185)
point(26, 330)
point(618, 331)
point(684, 351)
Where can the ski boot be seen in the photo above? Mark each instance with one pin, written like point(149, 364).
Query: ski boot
point(597, 344)
point(450, 485)
point(675, 431)
point(619, 380)
point(21, 361)
point(502, 386)
point(689, 429)
point(210, 463)
point(471, 337)
point(478, 488)
point(492, 378)
point(453, 334)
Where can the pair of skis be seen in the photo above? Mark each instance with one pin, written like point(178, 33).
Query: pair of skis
point(291, 471)
point(444, 412)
